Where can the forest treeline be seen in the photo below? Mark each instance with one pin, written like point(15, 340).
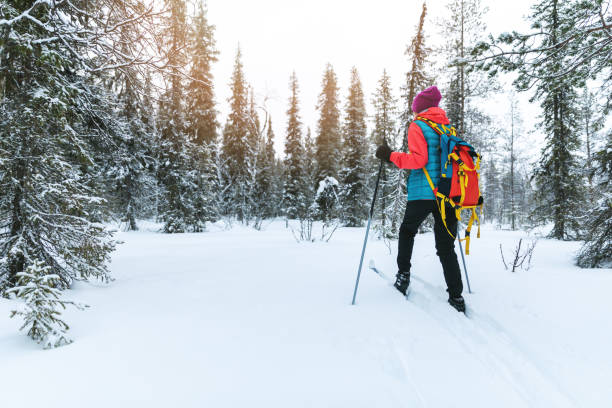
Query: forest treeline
point(108, 113)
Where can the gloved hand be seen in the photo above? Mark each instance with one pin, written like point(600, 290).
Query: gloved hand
point(384, 153)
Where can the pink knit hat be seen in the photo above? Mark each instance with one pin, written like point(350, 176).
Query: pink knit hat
point(426, 99)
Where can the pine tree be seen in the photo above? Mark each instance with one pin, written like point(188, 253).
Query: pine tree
point(329, 136)
point(310, 169)
point(308, 206)
point(202, 124)
point(129, 166)
point(353, 176)
point(149, 205)
point(293, 194)
point(512, 146)
point(202, 115)
point(417, 78)
point(267, 180)
point(558, 181)
point(42, 300)
point(552, 59)
point(463, 28)
point(184, 204)
point(251, 193)
point(385, 114)
point(54, 121)
point(597, 249)
point(235, 134)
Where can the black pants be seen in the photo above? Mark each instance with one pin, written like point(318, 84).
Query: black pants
point(416, 212)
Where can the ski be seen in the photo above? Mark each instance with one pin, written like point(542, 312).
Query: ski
point(388, 279)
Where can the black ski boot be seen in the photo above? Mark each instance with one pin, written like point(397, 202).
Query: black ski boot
point(458, 303)
point(402, 281)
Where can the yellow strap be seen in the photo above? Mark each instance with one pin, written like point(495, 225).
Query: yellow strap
point(442, 208)
point(462, 164)
point(462, 184)
point(442, 204)
point(468, 230)
point(429, 179)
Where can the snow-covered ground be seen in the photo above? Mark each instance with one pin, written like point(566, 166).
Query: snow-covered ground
point(242, 318)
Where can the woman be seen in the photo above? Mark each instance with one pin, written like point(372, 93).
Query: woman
point(424, 152)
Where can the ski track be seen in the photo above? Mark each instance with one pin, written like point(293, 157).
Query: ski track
point(499, 351)
point(397, 355)
point(503, 352)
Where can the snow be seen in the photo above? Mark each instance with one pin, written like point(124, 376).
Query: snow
point(240, 317)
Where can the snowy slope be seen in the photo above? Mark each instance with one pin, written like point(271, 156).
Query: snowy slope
point(246, 318)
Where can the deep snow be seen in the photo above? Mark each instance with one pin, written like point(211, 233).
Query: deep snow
point(247, 318)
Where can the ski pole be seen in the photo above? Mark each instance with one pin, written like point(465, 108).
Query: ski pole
point(365, 241)
point(467, 279)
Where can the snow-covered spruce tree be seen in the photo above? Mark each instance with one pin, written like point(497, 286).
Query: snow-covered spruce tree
point(149, 206)
point(384, 118)
point(234, 141)
point(201, 112)
point(597, 249)
point(129, 172)
point(355, 148)
point(267, 178)
point(329, 135)
point(308, 207)
point(327, 147)
point(54, 121)
point(253, 199)
point(569, 42)
point(129, 166)
point(558, 175)
point(42, 301)
point(293, 186)
point(183, 204)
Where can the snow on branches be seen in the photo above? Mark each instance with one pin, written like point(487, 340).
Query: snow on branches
point(40, 311)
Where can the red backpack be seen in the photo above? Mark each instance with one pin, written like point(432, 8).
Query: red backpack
point(458, 184)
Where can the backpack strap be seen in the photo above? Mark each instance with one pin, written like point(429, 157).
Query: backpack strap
point(441, 204)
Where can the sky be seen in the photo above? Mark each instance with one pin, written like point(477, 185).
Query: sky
point(278, 37)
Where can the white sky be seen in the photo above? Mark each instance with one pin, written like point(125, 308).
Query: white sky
point(279, 36)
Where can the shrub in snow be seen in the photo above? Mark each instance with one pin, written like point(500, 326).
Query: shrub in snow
point(519, 256)
point(327, 207)
point(40, 312)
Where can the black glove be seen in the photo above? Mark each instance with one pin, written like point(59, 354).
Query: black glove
point(384, 153)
